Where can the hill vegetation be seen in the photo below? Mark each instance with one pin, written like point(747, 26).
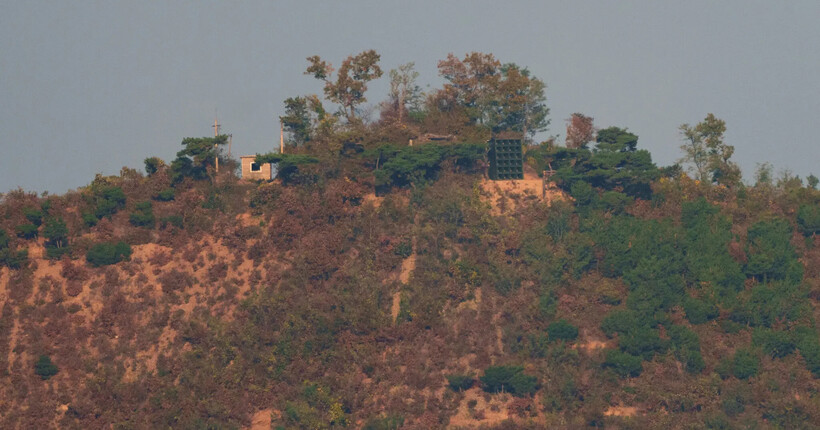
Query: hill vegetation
point(382, 285)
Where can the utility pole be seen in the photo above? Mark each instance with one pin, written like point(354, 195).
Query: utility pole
point(216, 133)
point(281, 137)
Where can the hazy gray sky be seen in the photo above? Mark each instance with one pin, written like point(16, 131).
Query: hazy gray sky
point(88, 87)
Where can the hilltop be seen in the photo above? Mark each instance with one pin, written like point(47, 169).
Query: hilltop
point(379, 285)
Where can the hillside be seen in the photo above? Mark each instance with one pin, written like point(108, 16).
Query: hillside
point(379, 285)
point(321, 305)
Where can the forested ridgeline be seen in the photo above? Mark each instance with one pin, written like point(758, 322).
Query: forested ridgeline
point(374, 284)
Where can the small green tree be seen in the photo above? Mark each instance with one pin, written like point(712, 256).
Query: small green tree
point(109, 199)
point(562, 330)
point(143, 215)
point(510, 379)
point(27, 231)
point(460, 382)
point(776, 344)
point(699, 311)
point(4, 239)
point(287, 164)
point(812, 181)
point(103, 254)
point(199, 154)
point(745, 364)
point(56, 234)
point(33, 215)
point(153, 165)
point(771, 254)
point(351, 79)
point(706, 151)
point(623, 364)
point(44, 368)
point(808, 219)
point(165, 195)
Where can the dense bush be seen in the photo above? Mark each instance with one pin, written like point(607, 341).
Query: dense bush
point(808, 219)
point(103, 254)
point(174, 220)
point(562, 330)
point(776, 344)
point(622, 363)
point(56, 234)
point(770, 253)
point(153, 164)
point(9, 257)
point(766, 304)
point(165, 195)
point(699, 311)
point(686, 345)
point(460, 382)
point(619, 321)
point(27, 231)
point(510, 379)
point(809, 347)
point(89, 219)
point(143, 215)
point(404, 249)
point(390, 422)
point(33, 215)
point(643, 342)
point(13, 259)
point(44, 368)
point(399, 166)
point(745, 364)
point(108, 199)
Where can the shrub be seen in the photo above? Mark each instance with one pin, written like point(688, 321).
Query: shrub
point(89, 219)
point(809, 346)
point(153, 164)
point(808, 219)
point(165, 195)
point(13, 259)
point(44, 368)
point(619, 321)
point(143, 216)
point(404, 249)
point(56, 234)
point(390, 422)
point(777, 344)
point(460, 382)
point(622, 363)
point(27, 231)
point(509, 378)
point(644, 342)
point(56, 253)
point(562, 330)
point(109, 200)
point(686, 345)
point(174, 220)
point(745, 364)
point(34, 216)
point(103, 254)
point(4, 239)
point(699, 311)
point(522, 384)
point(734, 403)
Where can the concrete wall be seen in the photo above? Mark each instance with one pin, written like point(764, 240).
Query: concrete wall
point(264, 172)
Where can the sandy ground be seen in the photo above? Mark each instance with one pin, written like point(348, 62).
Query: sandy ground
point(483, 413)
point(506, 196)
